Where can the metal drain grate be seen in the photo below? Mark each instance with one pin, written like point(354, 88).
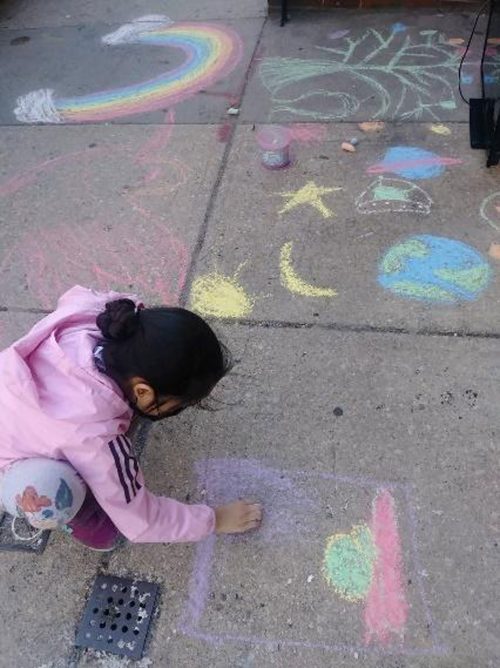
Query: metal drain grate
point(117, 616)
point(9, 542)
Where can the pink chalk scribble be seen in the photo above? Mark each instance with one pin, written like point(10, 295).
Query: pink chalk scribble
point(386, 608)
point(135, 250)
point(224, 132)
point(144, 258)
point(307, 133)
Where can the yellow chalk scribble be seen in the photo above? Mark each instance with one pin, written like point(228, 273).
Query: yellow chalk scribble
point(439, 129)
point(293, 282)
point(220, 296)
point(309, 194)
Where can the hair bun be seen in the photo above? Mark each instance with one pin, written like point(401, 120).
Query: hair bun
point(120, 320)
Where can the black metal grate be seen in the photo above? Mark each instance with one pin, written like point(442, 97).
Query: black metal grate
point(117, 616)
point(10, 543)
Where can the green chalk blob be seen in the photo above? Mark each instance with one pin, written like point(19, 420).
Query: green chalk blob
point(421, 291)
point(397, 255)
point(448, 104)
point(390, 193)
point(472, 279)
point(348, 564)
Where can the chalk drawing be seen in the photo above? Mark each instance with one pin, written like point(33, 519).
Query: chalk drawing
point(137, 252)
point(386, 610)
point(434, 269)
point(412, 162)
point(220, 296)
point(155, 266)
point(308, 133)
point(399, 27)
point(490, 210)
point(440, 129)
point(467, 78)
point(211, 51)
point(365, 566)
point(337, 34)
point(406, 75)
point(348, 565)
point(310, 194)
point(293, 282)
point(385, 195)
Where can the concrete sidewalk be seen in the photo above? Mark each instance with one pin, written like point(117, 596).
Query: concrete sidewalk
point(357, 291)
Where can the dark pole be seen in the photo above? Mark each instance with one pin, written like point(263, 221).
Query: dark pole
point(284, 12)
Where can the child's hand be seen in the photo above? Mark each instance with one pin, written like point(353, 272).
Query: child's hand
point(238, 517)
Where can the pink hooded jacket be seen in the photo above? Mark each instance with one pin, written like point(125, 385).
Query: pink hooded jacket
point(55, 403)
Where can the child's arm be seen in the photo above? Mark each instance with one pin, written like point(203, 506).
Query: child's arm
point(116, 481)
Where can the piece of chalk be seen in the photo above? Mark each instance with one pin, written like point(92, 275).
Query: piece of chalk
point(354, 141)
point(233, 111)
point(371, 126)
point(494, 251)
point(348, 147)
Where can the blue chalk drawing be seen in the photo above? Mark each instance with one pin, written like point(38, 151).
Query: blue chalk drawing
point(46, 514)
point(434, 269)
point(64, 496)
point(399, 27)
point(412, 162)
point(404, 74)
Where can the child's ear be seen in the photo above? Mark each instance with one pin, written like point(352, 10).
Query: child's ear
point(142, 392)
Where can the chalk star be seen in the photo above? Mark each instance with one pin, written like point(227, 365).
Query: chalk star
point(308, 194)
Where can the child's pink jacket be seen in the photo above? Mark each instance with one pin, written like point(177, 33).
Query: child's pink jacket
point(55, 403)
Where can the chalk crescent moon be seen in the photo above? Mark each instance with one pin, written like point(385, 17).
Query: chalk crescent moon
point(293, 282)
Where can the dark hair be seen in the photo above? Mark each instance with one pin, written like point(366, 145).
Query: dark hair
point(173, 349)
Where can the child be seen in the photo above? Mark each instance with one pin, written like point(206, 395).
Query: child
point(68, 392)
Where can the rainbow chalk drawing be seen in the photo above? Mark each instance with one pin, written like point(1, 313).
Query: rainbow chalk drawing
point(412, 162)
point(386, 195)
point(434, 269)
point(293, 282)
point(220, 296)
point(211, 51)
point(403, 74)
point(365, 567)
point(490, 210)
point(310, 194)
